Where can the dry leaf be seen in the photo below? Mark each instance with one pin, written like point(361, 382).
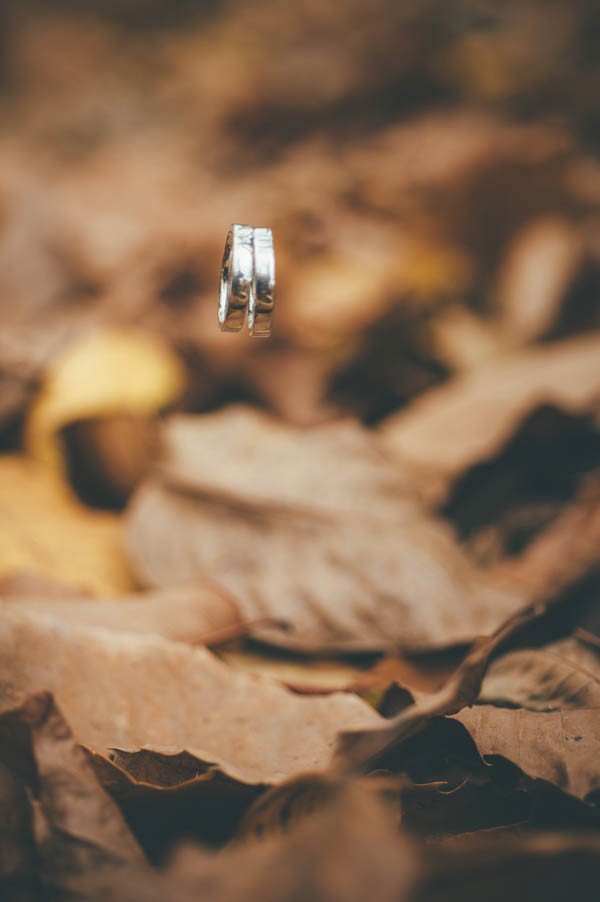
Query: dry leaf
point(433, 810)
point(317, 860)
point(307, 677)
point(370, 681)
point(78, 826)
point(17, 845)
point(563, 554)
point(498, 865)
point(466, 421)
point(563, 674)
point(105, 373)
point(152, 694)
point(425, 809)
point(422, 673)
point(562, 747)
point(350, 849)
point(108, 456)
point(291, 383)
point(47, 531)
point(500, 506)
point(28, 583)
point(311, 527)
point(539, 265)
point(359, 747)
point(193, 614)
point(515, 734)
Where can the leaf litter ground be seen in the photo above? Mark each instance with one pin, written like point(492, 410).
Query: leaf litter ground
point(385, 523)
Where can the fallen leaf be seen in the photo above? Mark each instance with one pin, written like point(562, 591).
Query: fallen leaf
point(436, 809)
point(351, 848)
point(357, 748)
point(317, 859)
point(322, 676)
point(424, 809)
point(307, 677)
point(561, 747)
point(47, 531)
point(561, 675)
point(194, 614)
point(311, 527)
point(291, 383)
point(422, 673)
point(465, 341)
point(467, 420)
point(167, 799)
point(106, 457)
point(17, 845)
point(501, 505)
point(563, 554)
point(24, 583)
point(539, 265)
point(394, 359)
point(79, 827)
point(153, 695)
point(500, 864)
point(282, 807)
point(108, 372)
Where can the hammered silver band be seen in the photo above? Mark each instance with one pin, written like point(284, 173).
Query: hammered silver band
point(247, 281)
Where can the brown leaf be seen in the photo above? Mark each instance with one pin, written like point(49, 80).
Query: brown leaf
point(193, 614)
point(565, 552)
point(358, 747)
point(28, 583)
point(152, 694)
point(291, 382)
point(348, 850)
point(424, 673)
point(302, 675)
point(555, 560)
point(108, 456)
point(561, 747)
point(452, 427)
point(311, 527)
point(425, 809)
point(174, 797)
point(500, 864)
point(79, 827)
point(540, 262)
point(17, 846)
point(563, 674)
point(437, 809)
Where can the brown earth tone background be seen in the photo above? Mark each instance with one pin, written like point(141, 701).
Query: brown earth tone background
point(312, 617)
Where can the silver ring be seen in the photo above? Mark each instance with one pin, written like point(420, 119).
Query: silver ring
point(237, 273)
point(262, 296)
point(247, 281)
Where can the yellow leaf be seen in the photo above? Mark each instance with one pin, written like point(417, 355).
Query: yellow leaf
point(106, 373)
point(44, 529)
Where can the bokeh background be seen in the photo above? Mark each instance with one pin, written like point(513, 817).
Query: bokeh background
point(429, 170)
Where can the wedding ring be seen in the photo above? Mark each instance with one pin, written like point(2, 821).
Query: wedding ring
point(262, 296)
point(247, 281)
point(237, 272)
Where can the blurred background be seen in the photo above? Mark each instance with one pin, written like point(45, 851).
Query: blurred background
point(429, 170)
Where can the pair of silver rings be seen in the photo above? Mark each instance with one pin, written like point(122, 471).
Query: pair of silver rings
point(247, 281)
